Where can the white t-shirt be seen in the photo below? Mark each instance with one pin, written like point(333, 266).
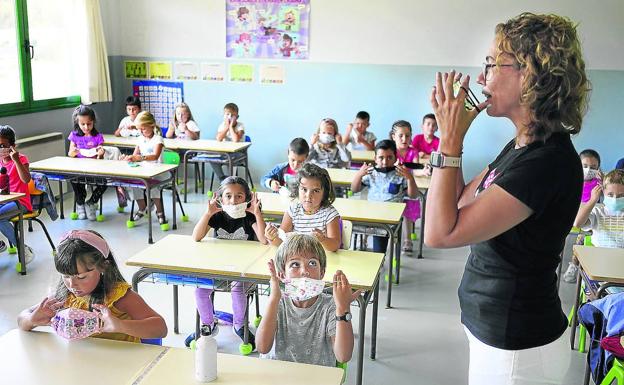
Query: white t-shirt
point(304, 223)
point(353, 144)
point(607, 228)
point(239, 127)
point(190, 125)
point(148, 146)
point(125, 125)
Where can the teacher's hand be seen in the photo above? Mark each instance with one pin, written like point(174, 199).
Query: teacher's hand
point(451, 115)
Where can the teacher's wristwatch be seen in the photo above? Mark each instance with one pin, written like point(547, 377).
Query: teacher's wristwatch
point(440, 160)
point(345, 317)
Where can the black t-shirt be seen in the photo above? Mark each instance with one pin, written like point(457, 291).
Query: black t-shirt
point(508, 294)
point(226, 227)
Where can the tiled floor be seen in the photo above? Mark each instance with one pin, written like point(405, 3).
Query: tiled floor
point(420, 340)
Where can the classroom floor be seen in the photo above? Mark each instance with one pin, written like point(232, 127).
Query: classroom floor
point(420, 340)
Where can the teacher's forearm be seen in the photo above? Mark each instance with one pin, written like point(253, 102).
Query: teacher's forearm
point(441, 213)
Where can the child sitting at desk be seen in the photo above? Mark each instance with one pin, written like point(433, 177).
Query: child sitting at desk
point(16, 166)
point(230, 129)
point(234, 213)
point(309, 326)
point(387, 182)
point(313, 213)
point(101, 301)
point(281, 174)
point(427, 142)
point(356, 136)
point(182, 125)
point(328, 150)
point(86, 142)
point(126, 126)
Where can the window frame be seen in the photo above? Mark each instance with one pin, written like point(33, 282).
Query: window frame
point(28, 105)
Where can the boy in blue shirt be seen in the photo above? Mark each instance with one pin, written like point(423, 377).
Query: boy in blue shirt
point(298, 151)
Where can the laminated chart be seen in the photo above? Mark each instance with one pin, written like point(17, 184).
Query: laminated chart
point(159, 98)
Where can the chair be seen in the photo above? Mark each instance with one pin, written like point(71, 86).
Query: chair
point(235, 164)
point(615, 373)
point(346, 232)
point(152, 341)
point(37, 199)
point(583, 297)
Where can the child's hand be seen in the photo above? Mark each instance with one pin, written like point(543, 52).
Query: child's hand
point(100, 152)
point(319, 234)
point(403, 171)
point(14, 154)
point(421, 154)
point(43, 313)
point(314, 138)
point(213, 206)
point(256, 206)
point(270, 232)
point(428, 170)
point(276, 292)
point(596, 193)
point(275, 186)
point(111, 324)
point(343, 296)
point(74, 153)
point(360, 137)
point(364, 169)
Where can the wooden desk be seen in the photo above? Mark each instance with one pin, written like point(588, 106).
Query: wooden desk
point(362, 156)
point(62, 167)
point(120, 141)
point(344, 177)
point(384, 215)
point(21, 260)
point(34, 358)
point(177, 366)
point(247, 261)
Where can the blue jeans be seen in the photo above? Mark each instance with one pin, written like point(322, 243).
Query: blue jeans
point(8, 211)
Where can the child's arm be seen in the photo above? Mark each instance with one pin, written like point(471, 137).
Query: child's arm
point(271, 233)
point(38, 315)
point(202, 227)
point(170, 131)
point(135, 155)
point(356, 183)
point(222, 131)
point(22, 169)
point(331, 241)
point(370, 146)
point(412, 189)
point(343, 340)
point(271, 180)
point(236, 135)
point(265, 335)
point(73, 151)
point(586, 209)
point(259, 226)
point(346, 138)
point(192, 134)
point(144, 322)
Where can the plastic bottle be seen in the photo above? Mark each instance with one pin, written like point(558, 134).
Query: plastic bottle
point(4, 182)
point(206, 356)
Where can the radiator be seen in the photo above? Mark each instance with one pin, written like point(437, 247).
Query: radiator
point(41, 147)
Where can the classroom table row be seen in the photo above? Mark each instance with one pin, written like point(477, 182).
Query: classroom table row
point(33, 358)
point(213, 258)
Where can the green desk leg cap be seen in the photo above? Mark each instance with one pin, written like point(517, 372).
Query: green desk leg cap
point(18, 267)
point(200, 184)
point(180, 181)
point(386, 277)
point(209, 194)
point(185, 218)
point(13, 250)
point(349, 193)
point(394, 263)
point(414, 236)
point(257, 320)
point(54, 253)
point(120, 209)
point(100, 218)
point(73, 215)
point(182, 191)
point(129, 224)
point(193, 345)
point(254, 190)
point(245, 349)
point(164, 227)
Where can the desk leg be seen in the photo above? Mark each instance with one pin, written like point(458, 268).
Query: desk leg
point(390, 257)
point(230, 164)
point(185, 161)
point(422, 224)
point(576, 306)
point(176, 324)
point(149, 212)
point(397, 251)
point(361, 330)
point(174, 194)
point(20, 243)
point(60, 182)
point(373, 354)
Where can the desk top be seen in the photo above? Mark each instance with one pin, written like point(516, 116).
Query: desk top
point(10, 197)
point(112, 168)
point(211, 256)
point(120, 141)
point(357, 210)
point(343, 176)
point(177, 366)
point(182, 144)
point(362, 156)
point(601, 263)
point(45, 358)
point(360, 267)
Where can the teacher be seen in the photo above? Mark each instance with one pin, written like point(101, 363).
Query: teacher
point(516, 213)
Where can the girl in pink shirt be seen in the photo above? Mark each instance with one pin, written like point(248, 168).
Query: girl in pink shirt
point(427, 142)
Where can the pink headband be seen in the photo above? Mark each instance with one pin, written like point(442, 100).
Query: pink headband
point(90, 238)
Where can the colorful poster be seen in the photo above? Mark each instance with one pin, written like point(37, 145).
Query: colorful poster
point(213, 72)
point(186, 70)
point(135, 69)
point(272, 74)
point(160, 70)
point(274, 29)
point(159, 98)
point(241, 73)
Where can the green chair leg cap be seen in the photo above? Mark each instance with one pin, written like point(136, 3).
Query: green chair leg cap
point(394, 263)
point(200, 184)
point(129, 224)
point(209, 194)
point(18, 267)
point(12, 250)
point(182, 191)
point(193, 345)
point(254, 190)
point(164, 227)
point(73, 216)
point(349, 193)
point(386, 277)
point(180, 181)
point(414, 236)
point(185, 218)
point(245, 349)
point(257, 320)
point(120, 209)
point(100, 218)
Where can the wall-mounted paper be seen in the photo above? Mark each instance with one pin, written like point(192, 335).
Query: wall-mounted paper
point(241, 73)
point(160, 70)
point(135, 69)
point(213, 72)
point(186, 70)
point(272, 74)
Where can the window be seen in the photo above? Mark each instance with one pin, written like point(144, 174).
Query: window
point(39, 66)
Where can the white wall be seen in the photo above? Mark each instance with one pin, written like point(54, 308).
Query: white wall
point(431, 32)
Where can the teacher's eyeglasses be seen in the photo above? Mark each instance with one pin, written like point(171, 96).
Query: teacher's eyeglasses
point(488, 66)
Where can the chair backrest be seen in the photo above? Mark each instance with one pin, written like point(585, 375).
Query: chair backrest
point(170, 157)
point(247, 138)
point(346, 231)
point(152, 341)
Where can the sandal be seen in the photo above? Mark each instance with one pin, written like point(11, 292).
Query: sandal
point(161, 218)
point(407, 247)
point(138, 215)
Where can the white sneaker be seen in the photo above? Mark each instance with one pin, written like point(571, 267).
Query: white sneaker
point(570, 274)
point(80, 210)
point(28, 254)
point(92, 211)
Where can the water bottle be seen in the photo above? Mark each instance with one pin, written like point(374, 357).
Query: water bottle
point(4, 182)
point(206, 356)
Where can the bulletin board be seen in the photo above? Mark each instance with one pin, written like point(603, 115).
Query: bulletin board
point(159, 98)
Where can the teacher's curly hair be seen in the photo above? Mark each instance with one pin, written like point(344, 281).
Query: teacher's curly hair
point(555, 86)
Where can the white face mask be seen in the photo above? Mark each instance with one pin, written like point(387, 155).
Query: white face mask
point(589, 173)
point(235, 211)
point(326, 138)
point(301, 289)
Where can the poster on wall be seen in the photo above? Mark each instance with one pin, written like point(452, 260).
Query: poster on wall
point(241, 73)
point(272, 74)
point(159, 98)
point(186, 70)
point(160, 70)
point(270, 29)
point(135, 69)
point(213, 72)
